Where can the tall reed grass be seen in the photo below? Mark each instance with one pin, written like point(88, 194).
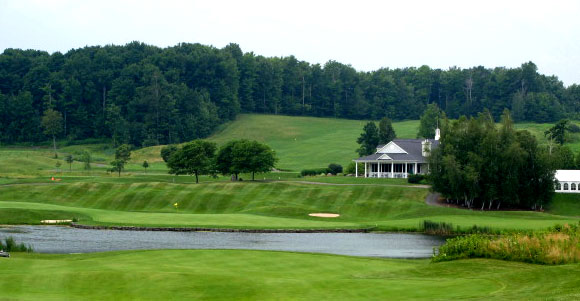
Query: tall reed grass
point(10, 245)
point(558, 245)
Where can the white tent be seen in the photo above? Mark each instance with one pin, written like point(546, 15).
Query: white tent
point(568, 181)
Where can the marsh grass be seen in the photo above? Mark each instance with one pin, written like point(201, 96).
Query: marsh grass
point(443, 228)
point(10, 245)
point(558, 245)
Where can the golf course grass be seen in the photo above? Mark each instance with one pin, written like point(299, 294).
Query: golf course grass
point(262, 275)
point(251, 205)
point(280, 200)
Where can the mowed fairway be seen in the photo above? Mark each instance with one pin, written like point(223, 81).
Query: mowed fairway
point(268, 205)
point(260, 275)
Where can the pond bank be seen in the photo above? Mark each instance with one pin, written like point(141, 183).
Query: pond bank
point(199, 229)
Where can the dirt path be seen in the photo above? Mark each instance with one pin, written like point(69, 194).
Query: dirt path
point(433, 199)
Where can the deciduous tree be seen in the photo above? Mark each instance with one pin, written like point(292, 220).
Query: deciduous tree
point(52, 124)
point(194, 158)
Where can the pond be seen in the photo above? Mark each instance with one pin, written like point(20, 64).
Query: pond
point(61, 239)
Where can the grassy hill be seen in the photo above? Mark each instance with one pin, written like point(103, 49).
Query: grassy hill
point(310, 142)
point(261, 275)
point(300, 142)
point(255, 205)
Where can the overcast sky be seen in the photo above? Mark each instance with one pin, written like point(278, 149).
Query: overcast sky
point(365, 34)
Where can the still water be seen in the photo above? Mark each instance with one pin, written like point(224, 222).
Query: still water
point(60, 239)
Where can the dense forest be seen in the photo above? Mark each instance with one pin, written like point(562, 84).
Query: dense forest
point(146, 95)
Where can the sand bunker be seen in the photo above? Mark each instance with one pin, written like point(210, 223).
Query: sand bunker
point(56, 221)
point(324, 214)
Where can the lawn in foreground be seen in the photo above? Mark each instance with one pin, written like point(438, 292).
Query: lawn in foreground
point(268, 205)
point(263, 275)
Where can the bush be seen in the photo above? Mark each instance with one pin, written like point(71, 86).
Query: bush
point(574, 128)
point(314, 172)
point(351, 169)
point(415, 179)
point(10, 245)
point(334, 168)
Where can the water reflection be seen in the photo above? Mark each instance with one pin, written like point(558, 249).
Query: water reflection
point(59, 239)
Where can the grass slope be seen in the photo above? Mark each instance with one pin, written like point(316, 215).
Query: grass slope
point(257, 205)
point(260, 275)
point(300, 142)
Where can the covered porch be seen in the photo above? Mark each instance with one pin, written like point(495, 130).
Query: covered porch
point(391, 169)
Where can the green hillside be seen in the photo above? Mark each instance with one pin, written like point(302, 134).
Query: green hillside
point(310, 142)
point(300, 142)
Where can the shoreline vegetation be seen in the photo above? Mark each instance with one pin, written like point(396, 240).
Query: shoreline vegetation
point(558, 245)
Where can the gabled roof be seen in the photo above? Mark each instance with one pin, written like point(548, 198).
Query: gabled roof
point(391, 148)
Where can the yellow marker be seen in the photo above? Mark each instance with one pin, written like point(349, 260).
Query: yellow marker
point(175, 205)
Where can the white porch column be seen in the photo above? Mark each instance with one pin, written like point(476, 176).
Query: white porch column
point(356, 169)
point(415, 168)
point(365, 169)
point(392, 169)
point(405, 170)
point(379, 169)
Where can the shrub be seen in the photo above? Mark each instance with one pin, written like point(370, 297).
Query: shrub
point(10, 245)
point(574, 128)
point(314, 172)
point(334, 168)
point(351, 168)
point(415, 179)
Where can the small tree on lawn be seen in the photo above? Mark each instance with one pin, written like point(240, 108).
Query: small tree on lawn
point(194, 158)
point(123, 152)
point(261, 157)
point(86, 158)
point(122, 156)
point(118, 166)
point(69, 159)
point(224, 160)
point(52, 124)
point(145, 165)
point(58, 165)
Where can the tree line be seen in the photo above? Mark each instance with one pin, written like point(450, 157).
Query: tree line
point(145, 95)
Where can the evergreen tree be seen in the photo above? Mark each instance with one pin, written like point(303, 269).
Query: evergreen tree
point(368, 140)
point(386, 131)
